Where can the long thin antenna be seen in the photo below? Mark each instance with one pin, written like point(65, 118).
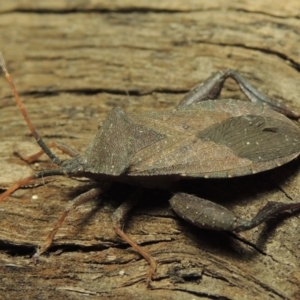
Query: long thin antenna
point(37, 137)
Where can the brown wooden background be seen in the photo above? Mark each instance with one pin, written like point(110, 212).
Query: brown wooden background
point(73, 61)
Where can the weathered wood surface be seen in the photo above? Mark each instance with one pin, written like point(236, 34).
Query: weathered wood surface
point(73, 61)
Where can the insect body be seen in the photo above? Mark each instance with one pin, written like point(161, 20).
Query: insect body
point(169, 144)
point(202, 137)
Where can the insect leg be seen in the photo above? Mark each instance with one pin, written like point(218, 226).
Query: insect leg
point(270, 210)
point(211, 88)
point(26, 180)
point(256, 96)
point(207, 214)
point(118, 219)
point(42, 174)
point(87, 196)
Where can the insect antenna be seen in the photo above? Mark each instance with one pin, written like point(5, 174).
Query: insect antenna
point(37, 137)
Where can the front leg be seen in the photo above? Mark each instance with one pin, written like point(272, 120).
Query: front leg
point(92, 194)
point(211, 88)
point(210, 215)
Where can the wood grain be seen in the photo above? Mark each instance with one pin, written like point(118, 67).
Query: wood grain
point(73, 61)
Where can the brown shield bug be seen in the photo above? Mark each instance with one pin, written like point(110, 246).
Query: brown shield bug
point(202, 137)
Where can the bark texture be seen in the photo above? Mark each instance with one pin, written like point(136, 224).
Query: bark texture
point(72, 62)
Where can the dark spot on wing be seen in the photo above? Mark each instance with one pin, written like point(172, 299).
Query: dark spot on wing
point(255, 137)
